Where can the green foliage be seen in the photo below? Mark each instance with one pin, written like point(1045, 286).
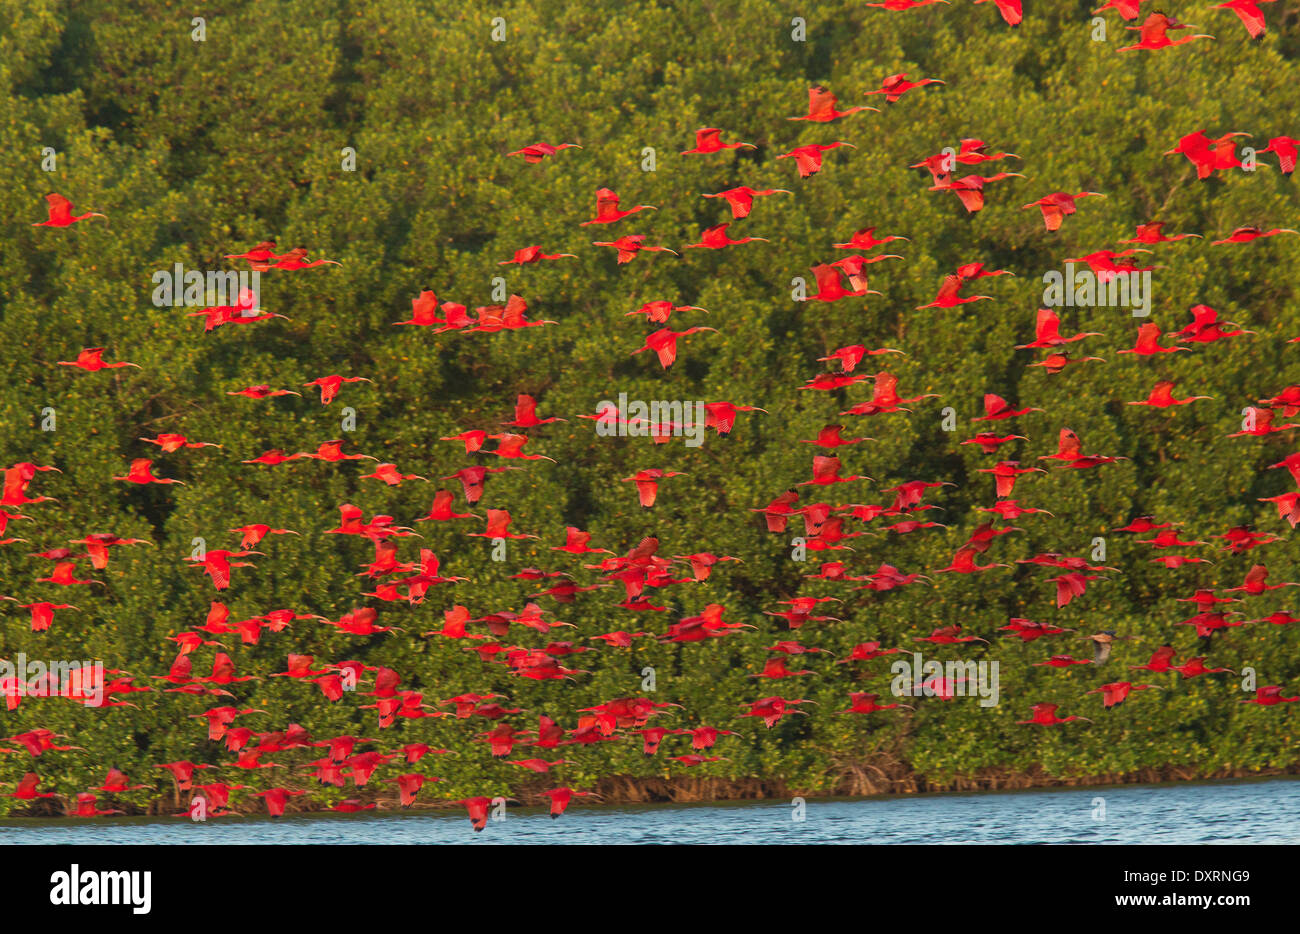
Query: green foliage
point(196, 150)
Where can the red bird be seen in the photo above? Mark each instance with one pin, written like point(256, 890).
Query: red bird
point(141, 472)
point(91, 360)
point(809, 158)
point(664, 343)
point(1058, 205)
point(1162, 396)
point(1151, 233)
point(1284, 147)
point(529, 255)
point(1115, 693)
point(607, 209)
point(630, 245)
point(1154, 31)
point(895, 86)
point(821, 107)
point(538, 151)
point(1010, 10)
point(715, 238)
point(1247, 234)
point(969, 189)
point(1045, 715)
point(1251, 17)
point(1148, 342)
point(709, 140)
point(741, 198)
point(60, 209)
point(560, 798)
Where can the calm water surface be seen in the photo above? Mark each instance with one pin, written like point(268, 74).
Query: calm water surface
point(1258, 812)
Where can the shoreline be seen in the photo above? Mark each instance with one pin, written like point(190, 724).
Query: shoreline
point(692, 797)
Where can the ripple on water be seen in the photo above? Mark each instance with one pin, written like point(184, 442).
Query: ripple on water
point(1259, 812)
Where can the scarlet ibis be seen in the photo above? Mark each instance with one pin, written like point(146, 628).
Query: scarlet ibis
point(1006, 473)
point(969, 189)
point(1047, 331)
point(538, 151)
point(293, 260)
point(511, 447)
point(1151, 233)
point(1247, 234)
point(772, 709)
point(26, 788)
point(1057, 361)
point(332, 452)
point(949, 635)
point(1115, 693)
point(898, 6)
point(741, 198)
point(895, 86)
point(950, 295)
point(276, 799)
point(1045, 715)
point(809, 158)
point(1010, 10)
point(715, 238)
point(498, 526)
point(560, 798)
point(630, 245)
point(1148, 342)
point(1270, 695)
point(865, 239)
point(1162, 396)
point(647, 483)
point(996, 409)
point(171, 442)
point(1161, 660)
point(1154, 31)
point(91, 360)
point(141, 472)
point(664, 343)
point(1249, 13)
point(60, 213)
point(116, 782)
point(409, 785)
point(1255, 582)
point(709, 140)
point(1027, 630)
point(474, 479)
point(1128, 9)
point(829, 437)
point(529, 255)
point(1208, 155)
point(1011, 509)
point(862, 702)
point(607, 209)
point(1056, 206)
point(822, 104)
point(1195, 667)
point(329, 385)
point(1285, 148)
point(1260, 423)
point(659, 312)
point(1062, 661)
point(263, 392)
point(830, 285)
point(42, 613)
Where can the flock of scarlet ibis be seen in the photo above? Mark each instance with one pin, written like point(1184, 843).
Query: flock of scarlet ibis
point(641, 570)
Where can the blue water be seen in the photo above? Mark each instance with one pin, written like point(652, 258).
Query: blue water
point(1255, 812)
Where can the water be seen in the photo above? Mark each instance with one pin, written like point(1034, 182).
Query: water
point(1252, 812)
